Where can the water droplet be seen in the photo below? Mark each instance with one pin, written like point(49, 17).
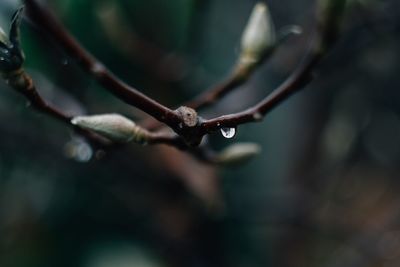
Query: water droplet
point(228, 132)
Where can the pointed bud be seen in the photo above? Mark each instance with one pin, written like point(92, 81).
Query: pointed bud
point(113, 126)
point(258, 36)
point(238, 153)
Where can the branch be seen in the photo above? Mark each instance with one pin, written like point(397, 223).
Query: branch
point(330, 14)
point(21, 82)
point(47, 22)
point(185, 121)
point(258, 44)
point(242, 71)
point(11, 62)
point(295, 82)
point(120, 129)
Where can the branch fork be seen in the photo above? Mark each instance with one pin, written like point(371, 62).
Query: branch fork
point(258, 43)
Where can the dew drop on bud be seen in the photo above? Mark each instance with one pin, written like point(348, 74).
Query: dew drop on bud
point(228, 132)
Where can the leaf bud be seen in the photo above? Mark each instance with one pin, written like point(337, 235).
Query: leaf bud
point(259, 35)
point(115, 127)
point(238, 154)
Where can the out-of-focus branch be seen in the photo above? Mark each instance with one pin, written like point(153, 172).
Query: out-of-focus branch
point(23, 84)
point(136, 48)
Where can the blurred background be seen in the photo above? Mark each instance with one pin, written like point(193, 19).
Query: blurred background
point(323, 192)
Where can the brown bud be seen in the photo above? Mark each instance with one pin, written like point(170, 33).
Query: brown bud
point(188, 115)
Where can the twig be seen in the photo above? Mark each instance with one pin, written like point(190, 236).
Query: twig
point(256, 113)
point(207, 98)
point(173, 140)
point(11, 69)
point(240, 73)
point(184, 121)
point(328, 28)
point(47, 22)
point(238, 77)
point(23, 84)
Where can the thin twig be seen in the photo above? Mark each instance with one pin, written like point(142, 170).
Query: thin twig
point(240, 73)
point(328, 29)
point(47, 22)
point(210, 96)
point(185, 122)
point(22, 83)
point(256, 113)
point(156, 138)
point(238, 77)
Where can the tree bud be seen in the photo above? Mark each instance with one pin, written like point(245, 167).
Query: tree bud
point(115, 127)
point(238, 153)
point(258, 36)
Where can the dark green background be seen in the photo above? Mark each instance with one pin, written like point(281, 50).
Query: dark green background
point(324, 191)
